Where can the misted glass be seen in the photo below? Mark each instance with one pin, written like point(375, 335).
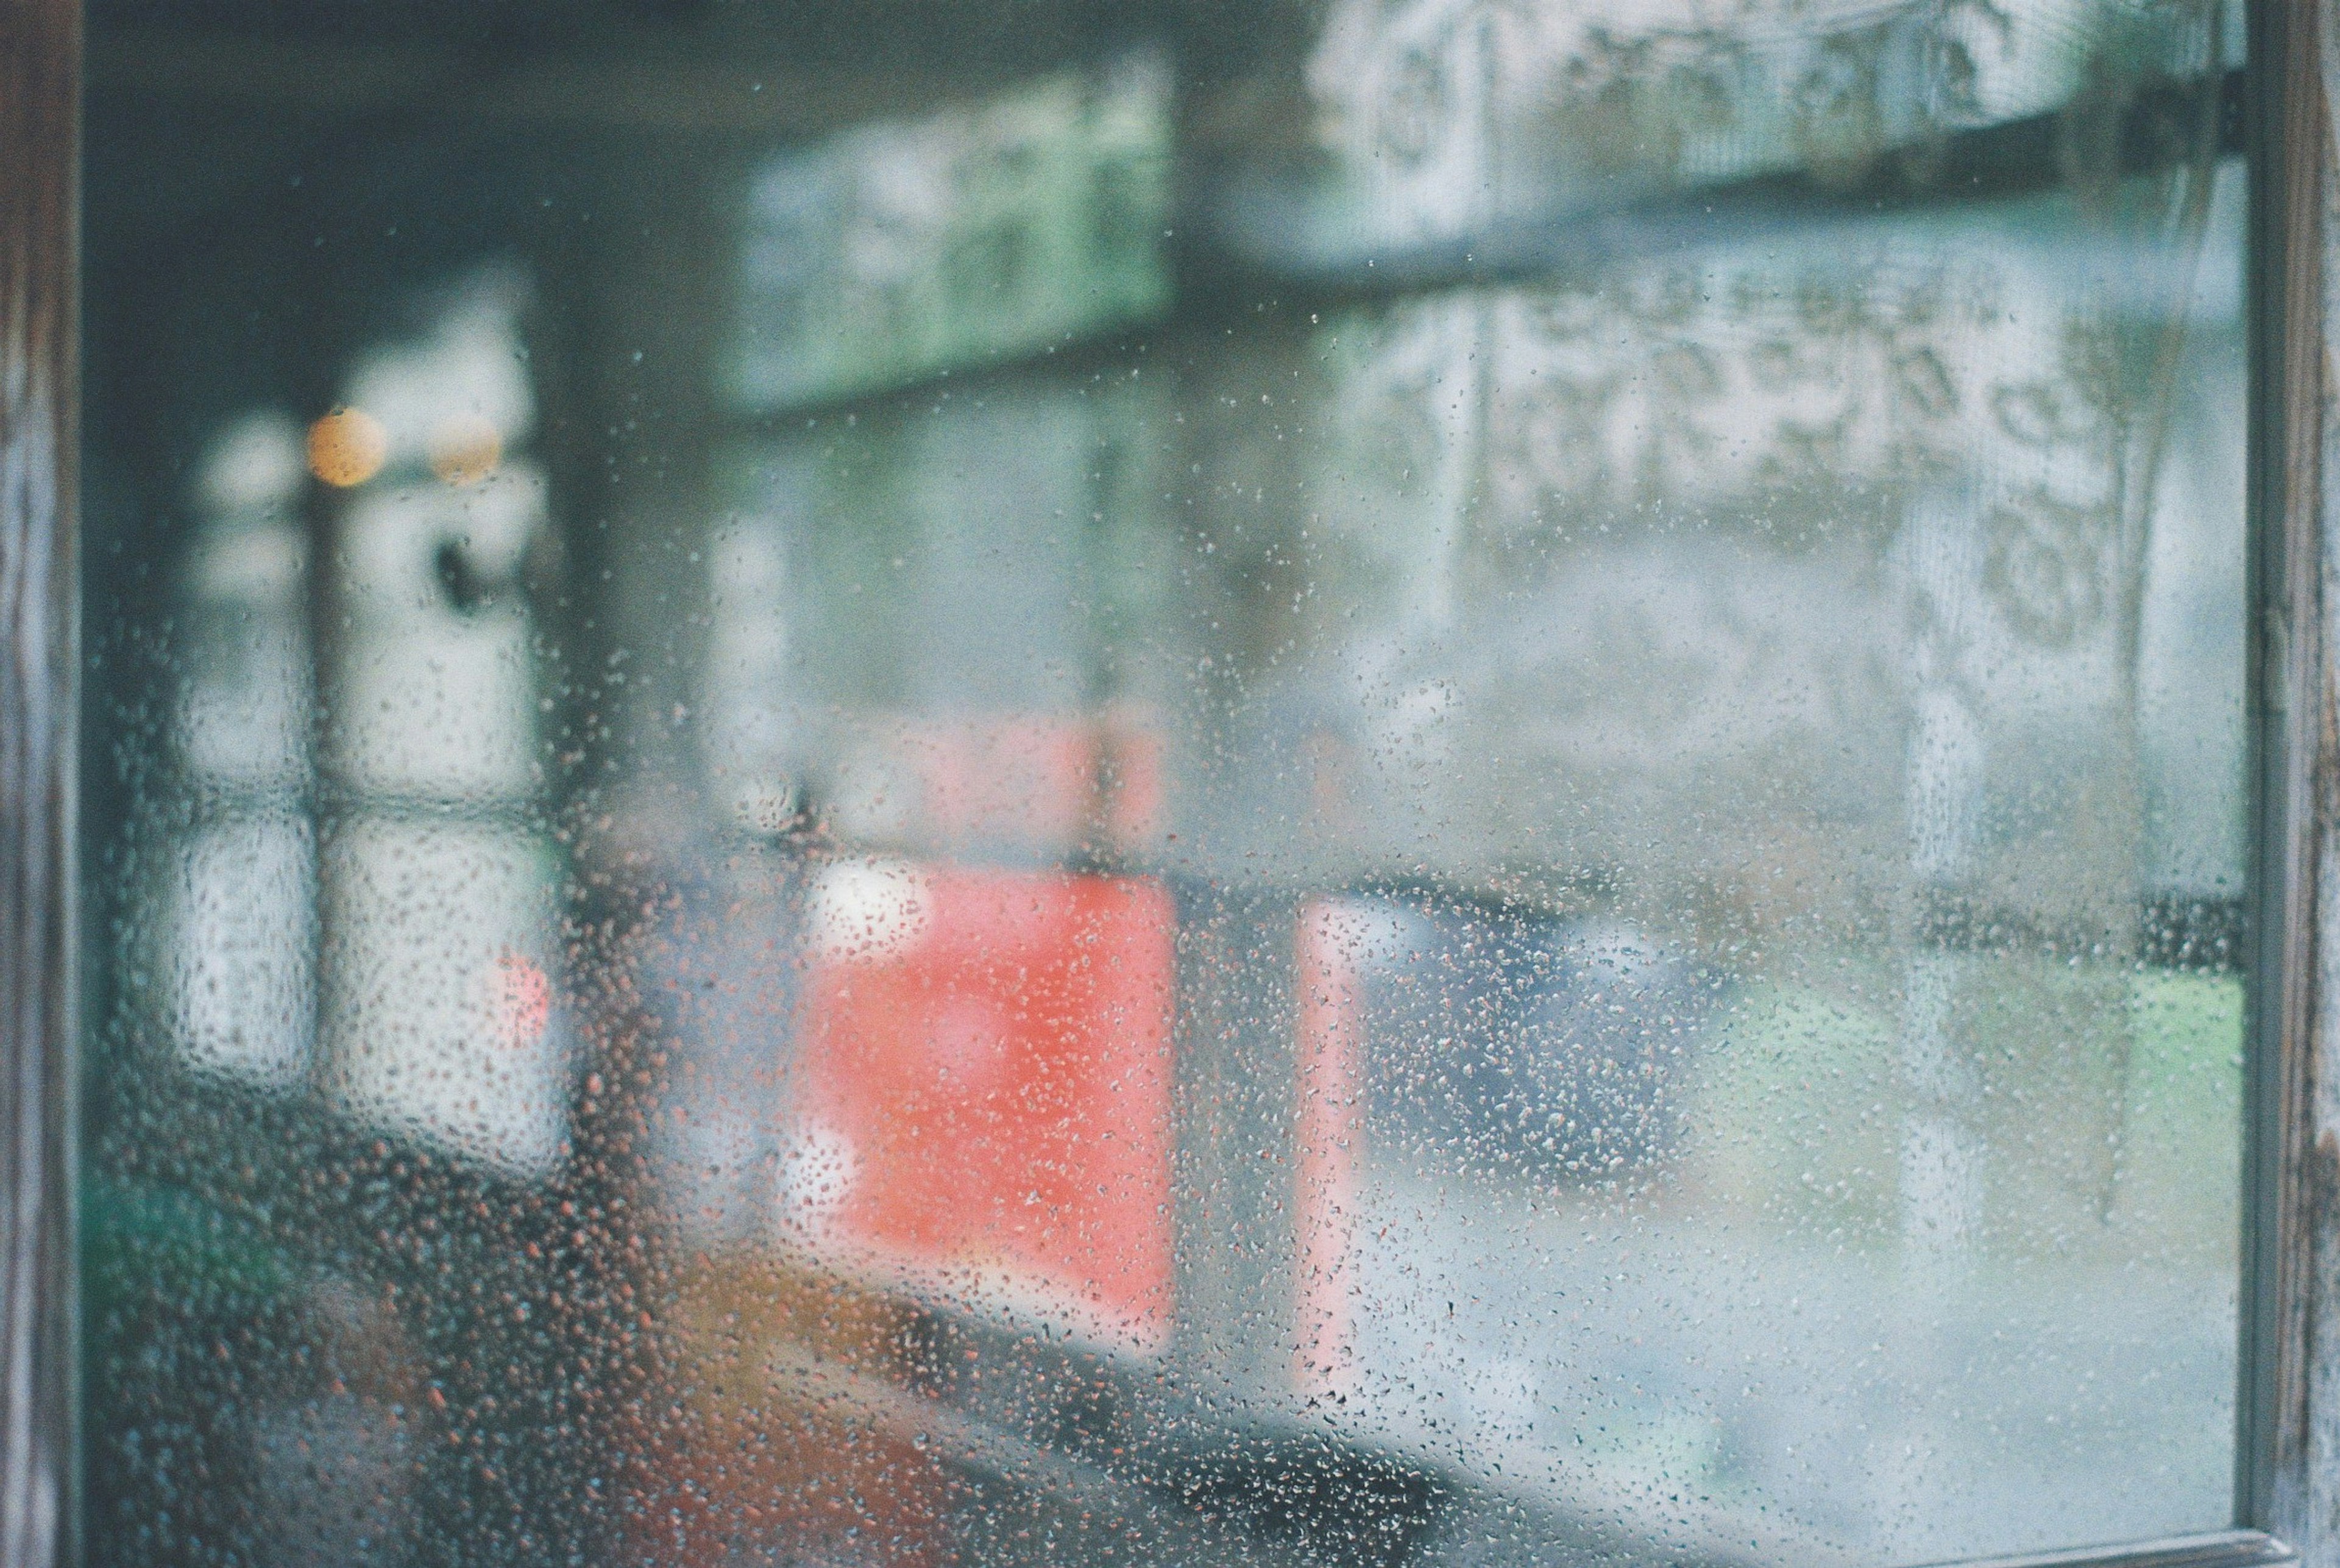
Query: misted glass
point(1278, 780)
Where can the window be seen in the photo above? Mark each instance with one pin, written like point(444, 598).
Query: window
point(1324, 780)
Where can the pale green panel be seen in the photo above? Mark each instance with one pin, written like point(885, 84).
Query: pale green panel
point(1794, 1113)
point(2183, 1139)
point(901, 249)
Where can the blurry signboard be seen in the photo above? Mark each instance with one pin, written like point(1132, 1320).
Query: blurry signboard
point(900, 249)
point(982, 1094)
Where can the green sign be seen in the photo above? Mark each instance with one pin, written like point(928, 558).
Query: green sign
point(895, 251)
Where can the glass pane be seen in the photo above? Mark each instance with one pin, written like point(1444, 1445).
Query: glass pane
point(1300, 780)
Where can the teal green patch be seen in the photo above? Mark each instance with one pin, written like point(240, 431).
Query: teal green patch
point(144, 1247)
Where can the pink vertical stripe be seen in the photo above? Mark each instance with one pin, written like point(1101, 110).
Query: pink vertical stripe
point(1331, 1137)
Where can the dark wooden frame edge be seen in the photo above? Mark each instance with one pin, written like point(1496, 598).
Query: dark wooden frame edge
point(40, 92)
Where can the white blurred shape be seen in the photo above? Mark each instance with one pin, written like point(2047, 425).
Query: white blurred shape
point(436, 695)
point(470, 366)
point(255, 464)
point(870, 910)
point(748, 724)
point(244, 707)
point(1946, 785)
point(242, 950)
point(438, 1007)
point(817, 1175)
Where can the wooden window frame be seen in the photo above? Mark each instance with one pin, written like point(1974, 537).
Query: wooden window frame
point(40, 396)
point(2288, 1452)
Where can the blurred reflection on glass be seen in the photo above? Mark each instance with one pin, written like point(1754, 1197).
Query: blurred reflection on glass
point(1463, 785)
point(437, 889)
point(237, 938)
point(1713, 703)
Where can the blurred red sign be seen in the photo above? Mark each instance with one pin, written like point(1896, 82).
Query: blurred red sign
point(983, 1094)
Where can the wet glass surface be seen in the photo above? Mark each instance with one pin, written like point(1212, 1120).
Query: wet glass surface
point(1388, 781)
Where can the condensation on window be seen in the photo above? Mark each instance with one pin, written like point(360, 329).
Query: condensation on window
point(1401, 781)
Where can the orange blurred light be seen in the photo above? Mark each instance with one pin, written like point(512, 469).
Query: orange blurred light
point(466, 449)
point(347, 447)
